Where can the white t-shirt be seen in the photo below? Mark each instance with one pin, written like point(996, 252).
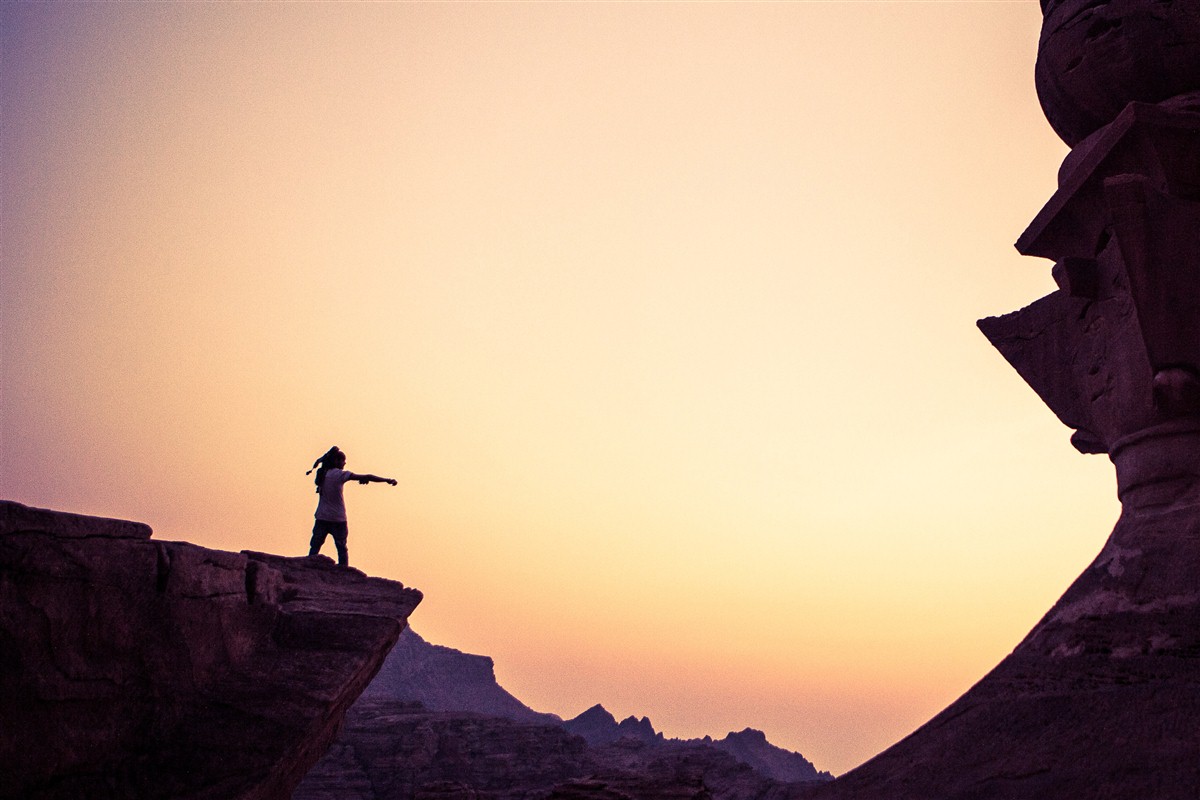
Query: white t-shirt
point(332, 506)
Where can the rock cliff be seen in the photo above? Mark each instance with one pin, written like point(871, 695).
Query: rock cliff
point(134, 668)
point(394, 748)
point(444, 679)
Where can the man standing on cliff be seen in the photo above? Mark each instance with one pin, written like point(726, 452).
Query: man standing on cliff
point(331, 508)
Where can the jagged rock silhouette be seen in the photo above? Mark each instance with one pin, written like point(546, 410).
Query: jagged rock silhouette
point(444, 679)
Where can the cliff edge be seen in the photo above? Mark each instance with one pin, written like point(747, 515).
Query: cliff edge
point(132, 668)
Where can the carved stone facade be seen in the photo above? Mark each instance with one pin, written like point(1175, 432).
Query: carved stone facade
point(1102, 698)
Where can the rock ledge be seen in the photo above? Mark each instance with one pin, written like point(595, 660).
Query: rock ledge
point(133, 668)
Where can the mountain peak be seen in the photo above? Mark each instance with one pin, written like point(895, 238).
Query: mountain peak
point(596, 714)
point(444, 679)
point(747, 735)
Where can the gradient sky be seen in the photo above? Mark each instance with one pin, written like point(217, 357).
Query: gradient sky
point(662, 314)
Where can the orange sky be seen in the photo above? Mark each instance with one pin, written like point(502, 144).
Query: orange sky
point(662, 314)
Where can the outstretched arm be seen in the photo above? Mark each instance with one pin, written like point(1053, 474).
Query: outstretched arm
point(376, 479)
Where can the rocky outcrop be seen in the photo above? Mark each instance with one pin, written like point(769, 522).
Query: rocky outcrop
point(599, 727)
point(134, 668)
point(444, 679)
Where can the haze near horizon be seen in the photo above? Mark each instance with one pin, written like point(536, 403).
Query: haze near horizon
point(661, 314)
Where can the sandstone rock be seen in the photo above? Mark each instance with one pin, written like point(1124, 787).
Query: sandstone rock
point(1094, 58)
point(132, 668)
point(1124, 225)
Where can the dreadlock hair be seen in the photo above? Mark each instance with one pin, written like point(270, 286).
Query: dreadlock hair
point(333, 458)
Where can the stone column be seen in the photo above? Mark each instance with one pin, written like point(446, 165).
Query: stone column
point(1102, 698)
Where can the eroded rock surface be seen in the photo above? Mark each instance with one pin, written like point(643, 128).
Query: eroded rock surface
point(1096, 56)
point(133, 668)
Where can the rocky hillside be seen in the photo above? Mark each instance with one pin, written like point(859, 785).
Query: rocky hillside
point(394, 750)
point(134, 668)
point(435, 724)
point(444, 679)
point(390, 750)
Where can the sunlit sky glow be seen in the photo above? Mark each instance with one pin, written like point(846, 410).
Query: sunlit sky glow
point(662, 314)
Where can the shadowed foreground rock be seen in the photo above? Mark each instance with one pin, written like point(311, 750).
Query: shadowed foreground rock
point(132, 668)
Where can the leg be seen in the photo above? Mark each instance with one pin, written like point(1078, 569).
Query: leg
point(340, 533)
point(320, 531)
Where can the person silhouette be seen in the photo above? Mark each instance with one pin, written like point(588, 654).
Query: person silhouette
point(332, 477)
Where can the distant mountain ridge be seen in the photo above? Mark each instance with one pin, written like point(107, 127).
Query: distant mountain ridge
point(750, 746)
point(443, 679)
point(599, 728)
